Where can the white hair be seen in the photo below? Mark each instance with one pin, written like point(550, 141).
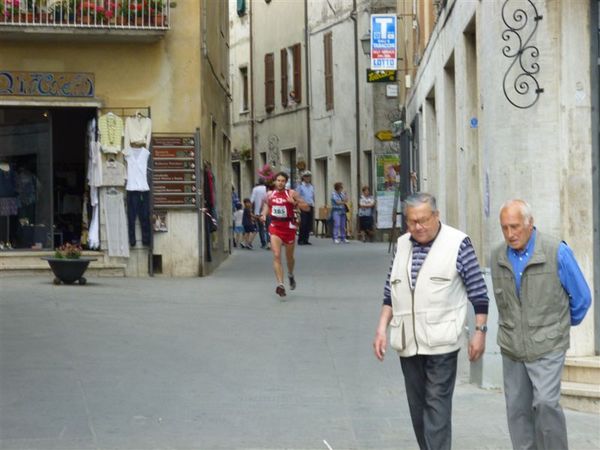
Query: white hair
point(523, 206)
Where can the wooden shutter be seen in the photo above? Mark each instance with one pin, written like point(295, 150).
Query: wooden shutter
point(269, 82)
point(284, 77)
point(327, 47)
point(297, 52)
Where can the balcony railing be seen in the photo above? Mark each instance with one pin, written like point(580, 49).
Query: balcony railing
point(115, 14)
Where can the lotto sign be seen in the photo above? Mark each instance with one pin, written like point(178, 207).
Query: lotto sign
point(383, 42)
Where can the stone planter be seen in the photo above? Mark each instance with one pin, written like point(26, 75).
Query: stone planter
point(68, 271)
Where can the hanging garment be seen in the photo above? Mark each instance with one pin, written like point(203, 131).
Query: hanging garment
point(113, 208)
point(138, 130)
point(137, 167)
point(94, 231)
point(138, 206)
point(94, 175)
point(110, 127)
point(113, 173)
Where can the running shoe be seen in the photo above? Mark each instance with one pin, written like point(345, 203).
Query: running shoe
point(292, 283)
point(337, 241)
point(280, 290)
point(345, 241)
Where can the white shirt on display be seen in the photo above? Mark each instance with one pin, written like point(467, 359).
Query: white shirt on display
point(137, 166)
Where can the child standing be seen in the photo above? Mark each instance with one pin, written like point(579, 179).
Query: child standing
point(238, 228)
point(249, 225)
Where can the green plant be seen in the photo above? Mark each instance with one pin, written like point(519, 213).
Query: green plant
point(68, 251)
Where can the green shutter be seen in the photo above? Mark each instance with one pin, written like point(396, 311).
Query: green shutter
point(241, 7)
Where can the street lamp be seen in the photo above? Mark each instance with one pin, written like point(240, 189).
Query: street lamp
point(365, 42)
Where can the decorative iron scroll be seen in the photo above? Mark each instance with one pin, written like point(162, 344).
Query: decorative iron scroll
point(520, 85)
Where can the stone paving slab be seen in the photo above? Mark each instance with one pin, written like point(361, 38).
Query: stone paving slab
point(221, 363)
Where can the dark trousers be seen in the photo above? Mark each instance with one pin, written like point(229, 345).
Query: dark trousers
point(306, 224)
point(138, 205)
point(429, 381)
point(262, 233)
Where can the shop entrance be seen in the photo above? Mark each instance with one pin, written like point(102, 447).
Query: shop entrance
point(43, 163)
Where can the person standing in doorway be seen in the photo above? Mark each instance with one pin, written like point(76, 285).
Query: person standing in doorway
point(540, 293)
point(258, 197)
point(279, 207)
point(307, 192)
point(433, 277)
point(339, 208)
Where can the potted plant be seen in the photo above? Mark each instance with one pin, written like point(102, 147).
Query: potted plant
point(68, 265)
point(155, 10)
point(9, 9)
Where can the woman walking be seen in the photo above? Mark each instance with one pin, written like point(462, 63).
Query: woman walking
point(339, 207)
point(279, 207)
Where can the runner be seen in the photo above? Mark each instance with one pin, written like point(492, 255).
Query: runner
point(279, 206)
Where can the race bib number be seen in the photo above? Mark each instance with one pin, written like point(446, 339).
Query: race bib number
point(279, 211)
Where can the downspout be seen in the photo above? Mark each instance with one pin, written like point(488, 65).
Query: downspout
point(308, 90)
point(252, 92)
point(354, 16)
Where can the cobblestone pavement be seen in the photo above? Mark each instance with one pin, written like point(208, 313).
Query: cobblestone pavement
point(221, 363)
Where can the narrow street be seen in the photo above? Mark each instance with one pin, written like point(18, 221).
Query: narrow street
point(221, 363)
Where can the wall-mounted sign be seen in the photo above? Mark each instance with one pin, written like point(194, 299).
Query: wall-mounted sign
point(380, 76)
point(474, 122)
point(46, 84)
point(174, 181)
point(384, 135)
point(383, 41)
point(391, 90)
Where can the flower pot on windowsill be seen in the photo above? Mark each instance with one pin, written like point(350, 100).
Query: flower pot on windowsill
point(69, 271)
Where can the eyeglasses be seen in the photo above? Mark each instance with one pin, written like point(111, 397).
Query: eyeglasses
point(423, 221)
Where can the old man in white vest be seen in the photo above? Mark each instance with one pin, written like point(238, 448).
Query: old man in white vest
point(433, 277)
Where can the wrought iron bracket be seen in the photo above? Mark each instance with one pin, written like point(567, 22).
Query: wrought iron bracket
point(520, 85)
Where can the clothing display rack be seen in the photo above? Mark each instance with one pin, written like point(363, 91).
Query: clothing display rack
point(133, 111)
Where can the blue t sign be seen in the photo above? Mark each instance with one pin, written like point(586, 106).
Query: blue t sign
point(383, 42)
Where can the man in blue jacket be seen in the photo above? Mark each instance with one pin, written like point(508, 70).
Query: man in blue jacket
point(540, 292)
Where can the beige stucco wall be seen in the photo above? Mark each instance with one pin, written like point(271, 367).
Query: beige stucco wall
point(171, 77)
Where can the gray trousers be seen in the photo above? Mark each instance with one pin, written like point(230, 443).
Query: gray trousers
point(532, 390)
point(429, 381)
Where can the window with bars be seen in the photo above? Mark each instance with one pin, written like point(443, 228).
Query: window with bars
point(269, 82)
point(327, 51)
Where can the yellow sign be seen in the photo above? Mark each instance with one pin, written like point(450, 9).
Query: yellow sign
point(384, 135)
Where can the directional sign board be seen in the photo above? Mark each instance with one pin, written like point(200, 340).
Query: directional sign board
point(383, 41)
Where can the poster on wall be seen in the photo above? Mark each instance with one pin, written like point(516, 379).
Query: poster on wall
point(388, 180)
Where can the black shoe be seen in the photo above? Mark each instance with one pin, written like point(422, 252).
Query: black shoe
point(292, 283)
point(301, 243)
point(308, 243)
point(280, 290)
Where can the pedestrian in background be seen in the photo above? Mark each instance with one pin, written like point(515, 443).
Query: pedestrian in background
point(249, 224)
point(258, 197)
point(339, 208)
point(280, 206)
point(540, 292)
point(434, 274)
point(366, 211)
point(238, 225)
point(307, 192)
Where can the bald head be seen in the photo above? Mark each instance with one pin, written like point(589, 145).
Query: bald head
point(516, 221)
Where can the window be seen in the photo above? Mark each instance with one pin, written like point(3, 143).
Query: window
point(327, 50)
point(284, 77)
point(269, 82)
point(244, 83)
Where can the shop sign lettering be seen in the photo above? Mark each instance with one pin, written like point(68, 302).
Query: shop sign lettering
point(47, 84)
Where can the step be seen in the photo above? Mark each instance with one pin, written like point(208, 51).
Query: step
point(580, 396)
point(19, 263)
point(582, 369)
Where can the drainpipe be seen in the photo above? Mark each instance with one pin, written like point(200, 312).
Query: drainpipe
point(354, 16)
point(250, 14)
point(308, 90)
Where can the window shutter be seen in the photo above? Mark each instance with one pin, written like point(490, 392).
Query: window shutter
point(327, 47)
point(269, 82)
point(241, 7)
point(297, 52)
point(284, 77)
